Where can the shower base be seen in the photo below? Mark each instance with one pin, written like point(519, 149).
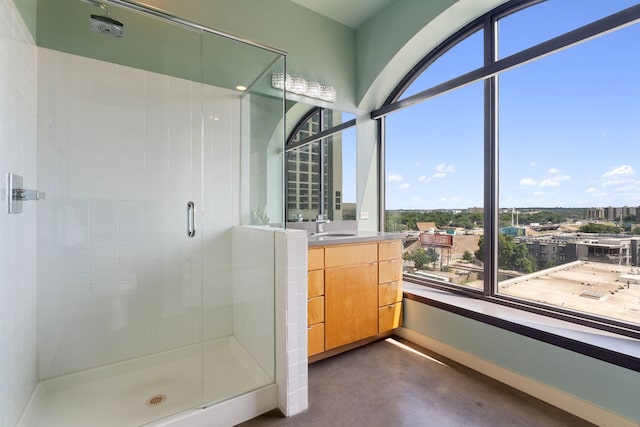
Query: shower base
point(143, 390)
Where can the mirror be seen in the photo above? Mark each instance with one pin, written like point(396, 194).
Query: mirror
point(321, 173)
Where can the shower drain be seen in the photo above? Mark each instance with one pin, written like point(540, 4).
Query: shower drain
point(156, 400)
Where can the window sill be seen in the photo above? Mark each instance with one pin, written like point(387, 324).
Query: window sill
point(606, 346)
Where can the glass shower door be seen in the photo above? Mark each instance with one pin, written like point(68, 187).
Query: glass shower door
point(119, 278)
point(145, 306)
point(238, 285)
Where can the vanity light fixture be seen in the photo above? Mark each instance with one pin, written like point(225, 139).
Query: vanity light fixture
point(300, 86)
point(241, 88)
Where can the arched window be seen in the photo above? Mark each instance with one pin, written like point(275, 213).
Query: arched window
point(510, 160)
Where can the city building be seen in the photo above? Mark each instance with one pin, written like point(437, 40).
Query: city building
point(556, 250)
point(611, 213)
point(314, 171)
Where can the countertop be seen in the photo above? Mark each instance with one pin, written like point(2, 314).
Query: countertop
point(359, 237)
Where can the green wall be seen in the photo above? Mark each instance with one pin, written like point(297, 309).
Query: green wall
point(150, 44)
point(318, 49)
point(605, 385)
point(27, 9)
point(382, 36)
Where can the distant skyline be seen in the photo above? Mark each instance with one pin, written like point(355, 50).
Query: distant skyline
point(569, 129)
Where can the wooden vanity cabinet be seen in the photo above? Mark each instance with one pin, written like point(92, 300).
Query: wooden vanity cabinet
point(389, 285)
point(355, 293)
point(315, 301)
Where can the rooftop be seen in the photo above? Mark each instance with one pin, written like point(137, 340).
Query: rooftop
point(593, 287)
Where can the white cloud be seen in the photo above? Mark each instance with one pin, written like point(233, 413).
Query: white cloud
point(591, 190)
point(404, 186)
point(548, 183)
point(423, 178)
point(527, 182)
point(632, 187)
point(620, 180)
point(555, 179)
point(624, 170)
point(533, 164)
point(610, 182)
point(394, 177)
point(539, 193)
point(443, 168)
point(418, 163)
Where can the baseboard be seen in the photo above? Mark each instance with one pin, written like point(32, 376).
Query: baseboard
point(558, 398)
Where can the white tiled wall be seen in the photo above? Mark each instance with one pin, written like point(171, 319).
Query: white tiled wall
point(291, 321)
point(18, 96)
point(120, 155)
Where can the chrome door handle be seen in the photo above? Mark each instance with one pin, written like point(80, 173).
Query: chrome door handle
point(191, 219)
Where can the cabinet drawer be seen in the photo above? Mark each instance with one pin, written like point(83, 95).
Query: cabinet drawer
point(390, 250)
point(315, 280)
point(336, 256)
point(389, 293)
point(315, 258)
point(315, 310)
point(389, 271)
point(315, 339)
point(389, 317)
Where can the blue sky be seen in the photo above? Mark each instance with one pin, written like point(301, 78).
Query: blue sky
point(569, 123)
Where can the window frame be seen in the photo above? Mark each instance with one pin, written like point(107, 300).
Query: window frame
point(488, 73)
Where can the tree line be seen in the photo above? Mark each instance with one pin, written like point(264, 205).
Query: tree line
point(405, 220)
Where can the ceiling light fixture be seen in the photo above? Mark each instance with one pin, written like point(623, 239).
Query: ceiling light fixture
point(300, 86)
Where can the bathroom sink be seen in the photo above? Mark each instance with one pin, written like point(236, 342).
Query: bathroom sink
point(331, 235)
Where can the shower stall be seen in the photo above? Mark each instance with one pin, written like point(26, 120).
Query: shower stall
point(153, 149)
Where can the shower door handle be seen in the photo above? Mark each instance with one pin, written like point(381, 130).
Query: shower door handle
point(191, 219)
point(16, 194)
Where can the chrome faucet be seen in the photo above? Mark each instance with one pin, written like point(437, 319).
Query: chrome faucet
point(320, 222)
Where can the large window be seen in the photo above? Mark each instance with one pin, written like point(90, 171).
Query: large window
point(516, 179)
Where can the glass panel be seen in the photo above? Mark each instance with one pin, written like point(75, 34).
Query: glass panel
point(434, 185)
point(347, 193)
point(346, 117)
point(119, 157)
point(568, 184)
point(262, 151)
point(549, 19)
point(326, 159)
point(460, 59)
point(339, 185)
point(139, 126)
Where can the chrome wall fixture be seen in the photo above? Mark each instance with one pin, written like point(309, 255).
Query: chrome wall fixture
point(300, 86)
point(16, 194)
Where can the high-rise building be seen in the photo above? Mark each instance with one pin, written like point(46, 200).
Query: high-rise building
point(314, 170)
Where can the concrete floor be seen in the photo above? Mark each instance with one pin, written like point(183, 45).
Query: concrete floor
point(389, 383)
